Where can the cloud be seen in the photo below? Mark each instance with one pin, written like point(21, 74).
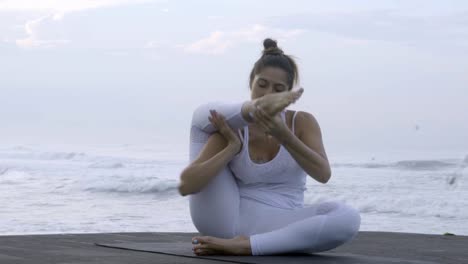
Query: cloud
point(32, 40)
point(60, 7)
point(218, 42)
point(54, 11)
point(384, 25)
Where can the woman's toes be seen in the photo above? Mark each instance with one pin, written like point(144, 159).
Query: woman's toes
point(205, 239)
point(204, 252)
point(200, 239)
point(210, 251)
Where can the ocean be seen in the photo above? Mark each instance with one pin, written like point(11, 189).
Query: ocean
point(130, 188)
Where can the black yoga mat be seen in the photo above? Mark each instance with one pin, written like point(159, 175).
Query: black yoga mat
point(183, 249)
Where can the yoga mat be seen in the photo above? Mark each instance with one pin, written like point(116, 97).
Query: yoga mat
point(185, 250)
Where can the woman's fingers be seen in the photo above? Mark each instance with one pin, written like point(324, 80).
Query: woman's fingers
point(213, 122)
point(262, 118)
point(264, 115)
point(214, 118)
point(217, 118)
point(264, 124)
point(222, 126)
point(260, 114)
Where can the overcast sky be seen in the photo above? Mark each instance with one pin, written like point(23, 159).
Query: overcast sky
point(377, 74)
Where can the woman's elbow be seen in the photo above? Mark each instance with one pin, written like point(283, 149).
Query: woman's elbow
point(326, 175)
point(183, 187)
point(184, 190)
point(324, 180)
point(187, 187)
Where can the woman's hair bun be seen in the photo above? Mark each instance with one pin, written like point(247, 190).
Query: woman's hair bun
point(269, 43)
point(271, 47)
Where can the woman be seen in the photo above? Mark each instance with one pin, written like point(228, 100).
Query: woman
point(247, 188)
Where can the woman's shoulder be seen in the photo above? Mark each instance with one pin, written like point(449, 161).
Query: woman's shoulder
point(303, 121)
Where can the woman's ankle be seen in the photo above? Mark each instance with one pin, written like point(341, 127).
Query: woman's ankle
point(247, 109)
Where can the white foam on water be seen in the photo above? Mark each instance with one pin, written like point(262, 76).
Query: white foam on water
point(79, 189)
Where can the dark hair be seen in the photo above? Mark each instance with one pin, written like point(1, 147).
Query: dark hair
point(272, 56)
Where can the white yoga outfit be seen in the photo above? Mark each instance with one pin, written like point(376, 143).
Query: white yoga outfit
point(263, 201)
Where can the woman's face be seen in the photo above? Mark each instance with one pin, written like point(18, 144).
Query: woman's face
point(269, 80)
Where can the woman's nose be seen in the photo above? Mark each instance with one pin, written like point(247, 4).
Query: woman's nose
point(270, 89)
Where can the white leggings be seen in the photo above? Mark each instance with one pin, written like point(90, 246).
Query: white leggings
point(218, 210)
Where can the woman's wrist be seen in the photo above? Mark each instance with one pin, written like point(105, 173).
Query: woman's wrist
point(235, 147)
point(286, 137)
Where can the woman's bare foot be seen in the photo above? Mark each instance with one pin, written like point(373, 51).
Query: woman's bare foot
point(270, 103)
point(208, 245)
point(276, 102)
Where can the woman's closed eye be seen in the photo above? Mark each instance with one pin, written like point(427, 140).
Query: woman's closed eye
point(280, 88)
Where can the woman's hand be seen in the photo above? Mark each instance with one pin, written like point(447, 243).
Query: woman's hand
point(272, 125)
point(219, 122)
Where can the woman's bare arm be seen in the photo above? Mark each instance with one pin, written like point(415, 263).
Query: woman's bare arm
point(308, 149)
point(214, 156)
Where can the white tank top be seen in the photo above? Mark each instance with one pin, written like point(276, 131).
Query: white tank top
point(279, 182)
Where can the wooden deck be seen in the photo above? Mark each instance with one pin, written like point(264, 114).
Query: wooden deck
point(367, 247)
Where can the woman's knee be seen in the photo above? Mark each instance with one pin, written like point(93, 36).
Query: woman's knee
point(199, 132)
point(354, 222)
point(348, 222)
point(201, 113)
point(330, 207)
point(340, 227)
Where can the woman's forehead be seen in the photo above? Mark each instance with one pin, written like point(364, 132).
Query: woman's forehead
point(275, 75)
